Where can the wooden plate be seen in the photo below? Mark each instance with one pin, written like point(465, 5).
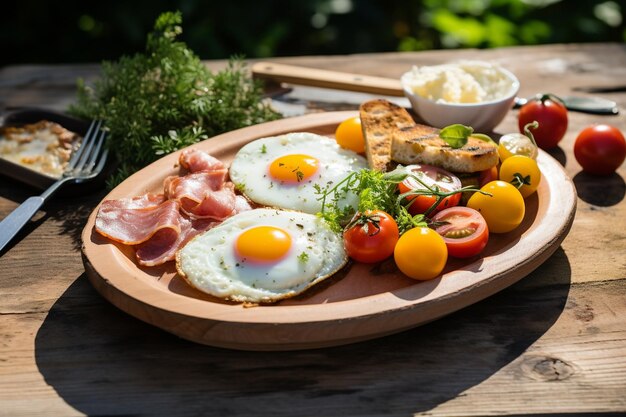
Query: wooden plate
point(361, 302)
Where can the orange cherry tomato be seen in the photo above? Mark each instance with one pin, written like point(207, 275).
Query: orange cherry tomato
point(421, 253)
point(349, 135)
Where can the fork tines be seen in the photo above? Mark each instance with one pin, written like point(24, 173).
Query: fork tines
point(85, 158)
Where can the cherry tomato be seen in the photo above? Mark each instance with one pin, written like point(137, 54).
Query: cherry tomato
point(372, 237)
point(488, 175)
point(600, 149)
point(518, 144)
point(523, 172)
point(432, 177)
point(503, 210)
point(421, 253)
point(551, 115)
point(349, 135)
point(465, 231)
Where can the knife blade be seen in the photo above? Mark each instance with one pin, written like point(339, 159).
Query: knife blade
point(592, 105)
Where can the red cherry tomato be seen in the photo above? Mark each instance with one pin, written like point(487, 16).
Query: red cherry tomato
point(551, 115)
point(600, 149)
point(432, 177)
point(372, 237)
point(465, 232)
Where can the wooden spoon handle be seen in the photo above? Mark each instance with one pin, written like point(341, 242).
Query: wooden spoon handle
point(327, 79)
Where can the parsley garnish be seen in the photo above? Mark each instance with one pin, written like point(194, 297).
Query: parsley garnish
point(303, 257)
point(377, 191)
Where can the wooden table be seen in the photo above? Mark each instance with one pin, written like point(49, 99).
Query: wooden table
point(555, 343)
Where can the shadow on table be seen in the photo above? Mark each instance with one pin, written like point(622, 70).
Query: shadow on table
point(603, 191)
point(104, 362)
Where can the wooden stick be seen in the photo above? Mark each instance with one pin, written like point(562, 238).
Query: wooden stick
point(327, 79)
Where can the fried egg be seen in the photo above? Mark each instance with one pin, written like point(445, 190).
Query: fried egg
point(262, 255)
point(284, 171)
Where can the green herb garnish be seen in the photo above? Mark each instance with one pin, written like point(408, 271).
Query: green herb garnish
point(457, 135)
point(378, 191)
point(164, 99)
point(303, 257)
point(375, 191)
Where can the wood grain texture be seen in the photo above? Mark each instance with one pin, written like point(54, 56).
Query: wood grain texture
point(326, 79)
point(555, 342)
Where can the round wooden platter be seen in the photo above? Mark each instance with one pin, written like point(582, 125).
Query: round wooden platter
point(358, 303)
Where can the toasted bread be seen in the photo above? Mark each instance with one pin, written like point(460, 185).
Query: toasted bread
point(379, 120)
point(421, 144)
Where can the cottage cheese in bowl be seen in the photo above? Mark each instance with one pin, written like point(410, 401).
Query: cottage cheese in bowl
point(463, 82)
point(474, 93)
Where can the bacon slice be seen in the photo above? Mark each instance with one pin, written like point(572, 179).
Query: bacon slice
point(195, 185)
point(197, 161)
point(124, 222)
point(203, 195)
point(143, 201)
point(160, 224)
point(164, 244)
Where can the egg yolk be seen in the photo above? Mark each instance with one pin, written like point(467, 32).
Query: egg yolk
point(263, 244)
point(294, 168)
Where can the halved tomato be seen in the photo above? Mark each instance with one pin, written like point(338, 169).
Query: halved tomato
point(464, 230)
point(423, 177)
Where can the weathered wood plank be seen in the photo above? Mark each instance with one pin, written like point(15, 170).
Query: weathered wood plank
point(534, 350)
point(553, 343)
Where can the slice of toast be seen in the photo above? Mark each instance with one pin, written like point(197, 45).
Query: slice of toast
point(379, 120)
point(421, 144)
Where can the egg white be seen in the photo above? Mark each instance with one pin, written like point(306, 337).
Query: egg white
point(210, 263)
point(249, 170)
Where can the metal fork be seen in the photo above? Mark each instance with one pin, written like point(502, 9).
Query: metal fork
point(85, 164)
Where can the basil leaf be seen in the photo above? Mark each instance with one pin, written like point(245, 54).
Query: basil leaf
point(456, 135)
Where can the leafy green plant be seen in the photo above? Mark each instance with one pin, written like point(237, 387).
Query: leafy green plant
point(164, 99)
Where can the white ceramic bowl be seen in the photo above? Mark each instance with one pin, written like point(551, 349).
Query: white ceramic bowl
point(483, 117)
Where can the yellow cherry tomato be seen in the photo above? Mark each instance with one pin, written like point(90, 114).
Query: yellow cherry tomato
point(349, 135)
point(516, 144)
point(421, 253)
point(503, 210)
point(523, 172)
